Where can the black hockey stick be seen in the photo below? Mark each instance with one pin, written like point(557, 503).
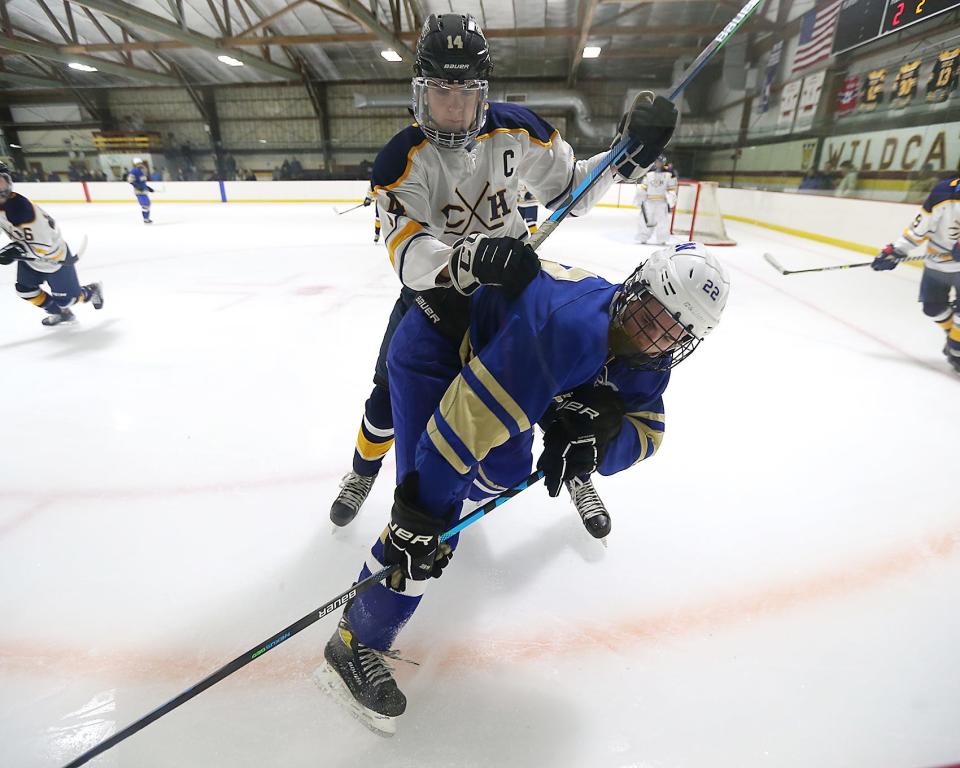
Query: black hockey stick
point(777, 266)
point(347, 210)
point(626, 143)
point(285, 634)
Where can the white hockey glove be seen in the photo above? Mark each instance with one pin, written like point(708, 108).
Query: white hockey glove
point(650, 122)
point(480, 260)
point(671, 199)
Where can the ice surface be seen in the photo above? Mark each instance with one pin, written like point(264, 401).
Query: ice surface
point(781, 586)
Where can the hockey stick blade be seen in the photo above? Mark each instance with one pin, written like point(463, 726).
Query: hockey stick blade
point(285, 634)
point(774, 263)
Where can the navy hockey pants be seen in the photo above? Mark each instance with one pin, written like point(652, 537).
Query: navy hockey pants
point(422, 365)
point(64, 283)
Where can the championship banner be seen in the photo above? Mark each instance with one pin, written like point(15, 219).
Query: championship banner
point(847, 95)
point(809, 99)
point(773, 62)
point(905, 85)
point(872, 94)
point(943, 80)
point(788, 104)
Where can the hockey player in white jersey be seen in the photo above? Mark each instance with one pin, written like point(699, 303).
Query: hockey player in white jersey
point(656, 197)
point(447, 193)
point(42, 256)
point(937, 226)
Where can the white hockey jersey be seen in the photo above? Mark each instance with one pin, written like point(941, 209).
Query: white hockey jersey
point(657, 187)
point(28, 224)
point(429, 198)
point(937, 224)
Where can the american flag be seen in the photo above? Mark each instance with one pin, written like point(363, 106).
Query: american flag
point(816, 36)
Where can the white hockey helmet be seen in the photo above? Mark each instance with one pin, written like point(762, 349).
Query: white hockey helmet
point(138, 161)
point(668, 306)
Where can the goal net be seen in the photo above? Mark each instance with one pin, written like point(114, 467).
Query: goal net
point(696, 216)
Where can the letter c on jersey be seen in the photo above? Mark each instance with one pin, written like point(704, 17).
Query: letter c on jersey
point(508, 167)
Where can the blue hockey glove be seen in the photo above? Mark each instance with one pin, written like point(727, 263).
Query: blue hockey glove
point(574, 442)
point(413, 538)
point(650, 123)
point(480, 260)
point(11, 252)
point(888, 259)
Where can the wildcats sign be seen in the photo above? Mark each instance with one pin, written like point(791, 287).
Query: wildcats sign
point(902, 149)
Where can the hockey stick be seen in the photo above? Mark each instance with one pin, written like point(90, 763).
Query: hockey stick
point(241, 661)
point(777, 266)
point(626, 143)
point(347, 210)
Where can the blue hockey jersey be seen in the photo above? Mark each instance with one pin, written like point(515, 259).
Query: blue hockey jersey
point(525, 353)
point(137, 177)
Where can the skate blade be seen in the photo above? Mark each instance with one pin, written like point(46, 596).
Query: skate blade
point(329, 681)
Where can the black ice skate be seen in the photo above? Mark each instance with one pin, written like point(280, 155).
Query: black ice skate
point(63, 316)
point(360, 680)
point(354, 490)
point(590, 506)
point(953, 359)
point(96, 294)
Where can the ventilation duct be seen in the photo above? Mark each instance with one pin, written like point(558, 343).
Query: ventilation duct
point(566, 100)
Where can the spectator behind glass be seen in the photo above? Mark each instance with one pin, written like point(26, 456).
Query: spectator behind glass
point(848, 180)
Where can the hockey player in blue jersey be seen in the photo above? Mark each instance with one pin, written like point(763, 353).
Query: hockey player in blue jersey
point(139, 179)
point(936, 227)
point(456, 173)
point(585, 359)
point(42, 256)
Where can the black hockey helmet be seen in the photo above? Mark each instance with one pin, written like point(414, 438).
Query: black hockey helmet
point(450, 85)
point(452, 47)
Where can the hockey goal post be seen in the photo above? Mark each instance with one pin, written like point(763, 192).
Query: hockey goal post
point(696, 216)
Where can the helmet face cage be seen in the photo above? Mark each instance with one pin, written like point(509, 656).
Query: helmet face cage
point(433, 126)
point(639, 318)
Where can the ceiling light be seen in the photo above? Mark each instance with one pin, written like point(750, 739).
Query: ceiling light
point(82, 67)
point(262, 141)
point(230, 61)
point(591, 51)
point(391, 55)
point(15, 146)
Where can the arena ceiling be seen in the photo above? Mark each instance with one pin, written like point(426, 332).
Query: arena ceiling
point(178, 42)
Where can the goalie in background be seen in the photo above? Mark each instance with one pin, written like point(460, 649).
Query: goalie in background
point(42, 256)
point(936, 226)
point(656, 197)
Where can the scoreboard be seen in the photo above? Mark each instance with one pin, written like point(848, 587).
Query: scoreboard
point(861, 21)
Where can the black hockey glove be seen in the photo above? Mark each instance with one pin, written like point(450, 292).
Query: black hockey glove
point(888, 259)
point(11, 252)
point(413, 538)
point(650, 122)
point(575, 441)
point(480, 260)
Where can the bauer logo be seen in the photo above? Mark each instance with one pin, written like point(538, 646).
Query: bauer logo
point(456, 66)
point(337, 603)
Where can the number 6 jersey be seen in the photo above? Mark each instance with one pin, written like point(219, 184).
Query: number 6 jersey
point(31, 226)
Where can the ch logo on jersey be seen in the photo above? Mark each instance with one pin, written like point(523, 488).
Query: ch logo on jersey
point(460, 222)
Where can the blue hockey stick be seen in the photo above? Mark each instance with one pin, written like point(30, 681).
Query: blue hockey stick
point(285, 634)
point(626, 143)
